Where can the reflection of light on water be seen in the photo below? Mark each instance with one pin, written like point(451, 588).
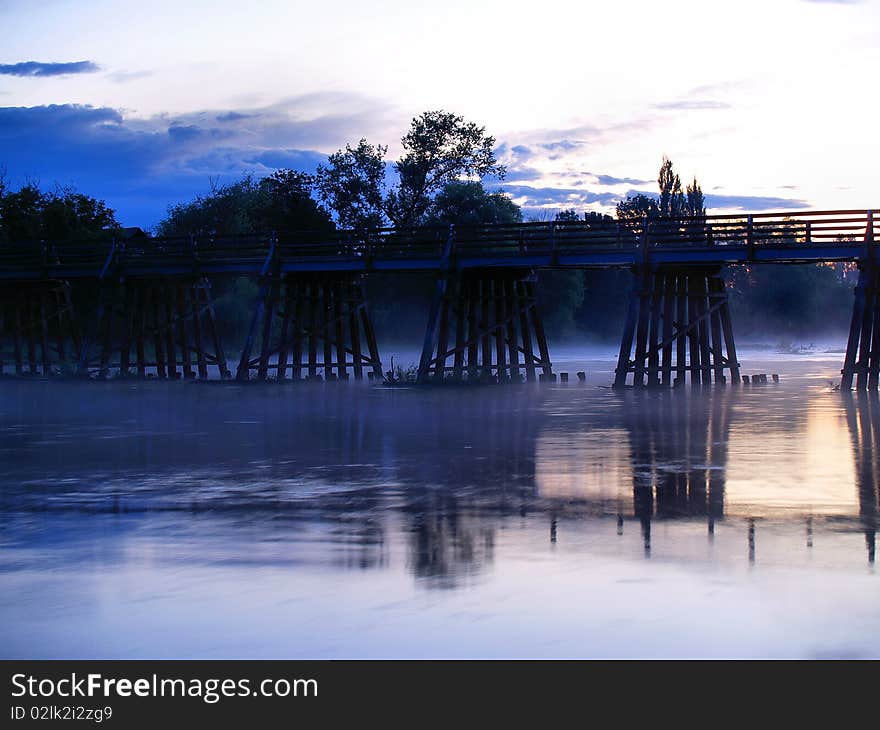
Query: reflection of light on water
point(812, 468)
point(592, 465)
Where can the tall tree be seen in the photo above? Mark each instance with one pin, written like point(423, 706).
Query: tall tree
point(695, 205)
point(672, 203)
point(352, 185)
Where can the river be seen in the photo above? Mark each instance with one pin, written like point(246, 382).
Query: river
point(187, 520)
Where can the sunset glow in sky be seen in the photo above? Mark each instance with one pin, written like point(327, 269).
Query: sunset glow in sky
point(771, 103)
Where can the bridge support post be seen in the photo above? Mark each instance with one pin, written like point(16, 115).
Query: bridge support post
point(678, 322)
point(486, 325)
point(301, 315)
point(156, 325)
point(39, 331)
point(862, 358)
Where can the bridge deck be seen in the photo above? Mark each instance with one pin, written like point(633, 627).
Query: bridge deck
point(794, 237)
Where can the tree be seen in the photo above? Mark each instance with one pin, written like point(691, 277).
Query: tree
point(439, 148)
point(29, 214)
point(695, 205)
point(352, 185)
point(280, 202)
point(285, 203)
point(636, 207)
point(672, 204)
point(468, 203)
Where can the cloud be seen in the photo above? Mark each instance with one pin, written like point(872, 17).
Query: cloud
point(141, 166)
point(692, 104)
point(835, 2)
point(123, 77)
point(753, 202)
point(560, 197)
point(611, 180)
point(35, 68)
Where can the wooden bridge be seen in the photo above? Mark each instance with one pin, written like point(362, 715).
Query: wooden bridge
point(154, 312)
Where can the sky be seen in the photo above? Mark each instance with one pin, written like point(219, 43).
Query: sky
point(771, 104)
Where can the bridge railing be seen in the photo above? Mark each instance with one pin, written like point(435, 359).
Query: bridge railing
point(145, 255)
point(825, 228)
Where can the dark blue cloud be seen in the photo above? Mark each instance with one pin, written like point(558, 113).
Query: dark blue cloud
point(36, 68)
point(561, 197)
point(141, 166)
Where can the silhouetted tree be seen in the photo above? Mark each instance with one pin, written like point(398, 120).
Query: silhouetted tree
point(30, 214)
point(440, 148)
point(467, 202)
point(352, 185)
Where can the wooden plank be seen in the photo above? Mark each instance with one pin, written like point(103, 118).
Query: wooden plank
point(196, 299)
point(511, 319)
point(540, 337)
point(669, 298)
point(284, 337)
point(327, 327)
point(727, 329)
point(31, 332)
point(522, 305)
point(431, 328)
point(472, 298)
point(340, 304)
point(127, 326)
point(157, 331)
point(141, 304)
point(716, 293)
point(654, 333)
point(266, 330)
point(855, 328)
point(693, 290)
point(369, 333)
point(442, 336)
point(300, 305)
point(211, 323)
point(865, 334)
point(645, 279)
point(354, 330)
point(460, 305)
point(44, 333)
point(312, 299)
point(702, 309)
point(16, 337)
point(500, 317)
point(184, 307)
point(106, 333)
point(170, 349)
point(485, 327)
point(629, 328)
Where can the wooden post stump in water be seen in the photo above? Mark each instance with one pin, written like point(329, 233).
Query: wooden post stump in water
point(487, 326)
point(678, 322)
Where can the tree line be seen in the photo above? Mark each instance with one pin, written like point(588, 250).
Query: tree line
point(437, 180)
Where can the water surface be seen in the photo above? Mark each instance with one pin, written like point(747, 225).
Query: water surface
point(207, 520)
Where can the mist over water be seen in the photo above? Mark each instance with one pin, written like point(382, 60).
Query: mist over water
point(154, 519)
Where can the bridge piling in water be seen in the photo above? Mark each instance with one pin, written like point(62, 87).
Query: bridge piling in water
point(173, 317)
point(862, 359)
point(300, 314)
point(697, 339)
point(492, 317)
point(39, 331)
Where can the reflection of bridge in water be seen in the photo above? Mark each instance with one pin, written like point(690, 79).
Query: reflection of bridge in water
point(152, 312)
point(434, 466)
